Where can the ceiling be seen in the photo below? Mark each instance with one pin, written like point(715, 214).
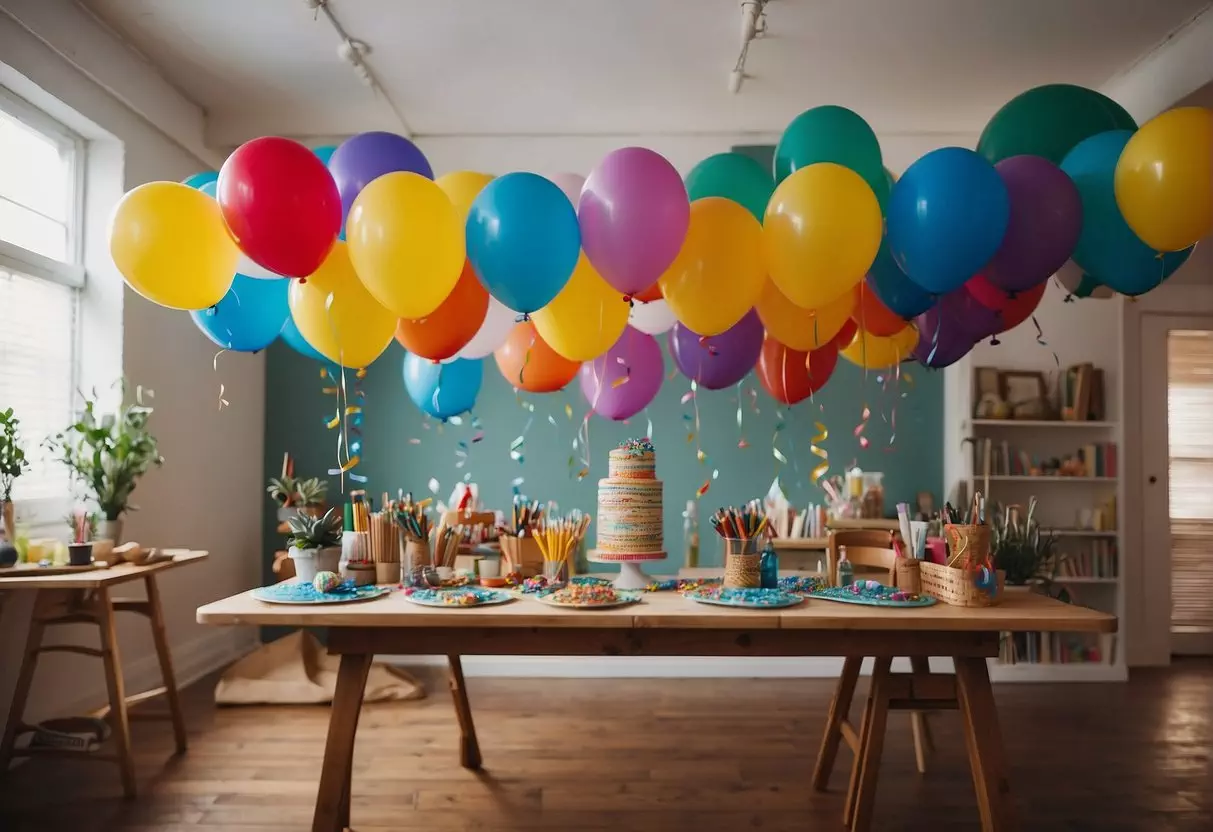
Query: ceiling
point(591, 67)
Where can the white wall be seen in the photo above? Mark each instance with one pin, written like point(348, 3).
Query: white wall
point(208, 495)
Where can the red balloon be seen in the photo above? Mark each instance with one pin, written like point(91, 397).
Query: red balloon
point(873, 316)
point(1012, 311)
point(791, 376)
point(846, 335)
point(280, 204)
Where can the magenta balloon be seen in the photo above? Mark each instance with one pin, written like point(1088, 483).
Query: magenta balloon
point(1046, 220)
point(634, 215)
point(718, 361)
point(636, 357)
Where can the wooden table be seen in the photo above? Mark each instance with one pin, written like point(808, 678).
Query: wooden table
point(84, 598)
point(666, 624)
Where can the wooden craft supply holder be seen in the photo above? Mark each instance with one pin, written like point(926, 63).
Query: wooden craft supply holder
point(521, 554)
point(907, 576)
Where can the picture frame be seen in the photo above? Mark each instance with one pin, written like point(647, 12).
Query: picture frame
point(989, 382)
point(1025, 392)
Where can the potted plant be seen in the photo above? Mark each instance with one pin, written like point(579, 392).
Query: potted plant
point(109, 454)
point(1021, 548)
point(284, 491)
point(315, 543)
point(12, 465)
point(310, 495)
point(83, 525)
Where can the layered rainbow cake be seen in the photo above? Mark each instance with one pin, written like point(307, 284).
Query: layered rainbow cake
point(629, 503)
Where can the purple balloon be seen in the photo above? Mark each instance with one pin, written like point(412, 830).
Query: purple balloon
point(1046, 220)
point(634, 215)
point(718, 361)
point(636, 357)
point(948, 330)
point(367, 156)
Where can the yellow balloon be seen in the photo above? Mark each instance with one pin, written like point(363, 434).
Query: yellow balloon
point(821, 233)
point(462, 187)
point(718, 274)
point(875, 352)
point(351, 329)
point(802, 329)
point(170, 243)
point(1164, 179)
point(406, 243)
point(586, 318)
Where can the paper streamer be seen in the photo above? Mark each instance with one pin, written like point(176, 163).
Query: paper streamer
point(815, 448)
point(215, 364)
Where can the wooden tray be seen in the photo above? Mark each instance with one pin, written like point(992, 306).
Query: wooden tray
point(24, 570)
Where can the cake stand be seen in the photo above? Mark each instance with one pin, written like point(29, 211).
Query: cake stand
point(631, 576)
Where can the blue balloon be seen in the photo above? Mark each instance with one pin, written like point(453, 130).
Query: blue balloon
point(903, 296)
point(523, 240)
point(249, 317)
point(947, 217)
point(1107, 249)
point(443, 390)
point(199, 179)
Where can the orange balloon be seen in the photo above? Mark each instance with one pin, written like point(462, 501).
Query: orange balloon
point(447, 329)
point(873, 316)
point(791, 376)
point(650, 294)
point(802, 329)
point(528, 363)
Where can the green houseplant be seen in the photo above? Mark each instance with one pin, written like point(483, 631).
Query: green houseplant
point(1021, 548)
point(12, 465)
point(315, 543)
point(295, 495)
point(109, 454)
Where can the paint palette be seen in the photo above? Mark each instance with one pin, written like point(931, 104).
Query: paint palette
point(305, 593)
point(883, 597)
point(751, 599)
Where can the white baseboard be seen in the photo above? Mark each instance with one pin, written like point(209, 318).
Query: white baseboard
point(654, 667)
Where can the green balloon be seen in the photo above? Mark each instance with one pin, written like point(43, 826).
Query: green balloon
point(1049, 121)
point(832, 134)
point(732, 176)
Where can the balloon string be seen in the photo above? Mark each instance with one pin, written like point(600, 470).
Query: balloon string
point(215, 364)
point(1040, 339)
point(526, 359)
point(741, 443)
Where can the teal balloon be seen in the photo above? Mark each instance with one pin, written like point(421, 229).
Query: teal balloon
point(249, 317)
point(1050, 121)
point(1107, 249)
point(324, 152)
point(732, 176)
point(832, 134)
point(199, 179)
point(443, 390)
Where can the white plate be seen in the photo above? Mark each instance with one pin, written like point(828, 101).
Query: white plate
point(498, 597)
point(623, 600)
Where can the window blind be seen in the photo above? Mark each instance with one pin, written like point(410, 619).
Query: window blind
point(1190, 446)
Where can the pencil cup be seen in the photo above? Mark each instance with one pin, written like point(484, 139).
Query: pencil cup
point(968, 546)
point(907, 577)
point(556, 571)
point(741, 563)
point(416, 553)
point(355, 546)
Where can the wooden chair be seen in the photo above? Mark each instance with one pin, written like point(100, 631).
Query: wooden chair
point(870, 553)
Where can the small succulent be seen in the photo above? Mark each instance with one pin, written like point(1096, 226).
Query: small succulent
point(308, 532)
point(310, 492)
point(283, 490)
point(1021, 548)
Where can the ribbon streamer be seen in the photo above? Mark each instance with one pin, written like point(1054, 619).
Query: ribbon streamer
point(1040, 339)
point(815, 448)
point(215, 364)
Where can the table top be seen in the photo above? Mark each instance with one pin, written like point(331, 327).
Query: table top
point(98, 578)
point(1019, 611)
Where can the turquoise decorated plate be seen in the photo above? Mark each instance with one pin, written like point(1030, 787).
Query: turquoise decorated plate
point(461, 597)
point(305, 593)
point(845, 595)
point(750, 599)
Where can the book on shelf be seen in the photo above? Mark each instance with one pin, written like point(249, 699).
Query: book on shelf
point(1082, 394)
point(998, 458)
point(1058, 648)
point(1091, 559)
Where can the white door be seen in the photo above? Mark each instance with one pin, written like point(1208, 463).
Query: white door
point(1177, 463)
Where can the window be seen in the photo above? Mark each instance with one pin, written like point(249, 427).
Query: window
point(41, 276)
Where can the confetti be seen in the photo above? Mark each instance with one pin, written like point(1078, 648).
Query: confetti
point(568, 411)
point(414, 441)
point(551, 420)
point(701, 456)
point(865, 414)
point(478, 437)
point(434, 485)
point(715, 473)
point(456, 420)
point(703, 489)
point(743, 444)
point(517, 482)
point(686, 397)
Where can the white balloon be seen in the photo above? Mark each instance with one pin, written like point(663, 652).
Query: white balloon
point(248, 268)
point(654, 317)
point(1070, 277)
point(498, 322)
point(571, 184)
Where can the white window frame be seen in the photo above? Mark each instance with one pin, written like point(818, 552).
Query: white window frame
point(42, 513)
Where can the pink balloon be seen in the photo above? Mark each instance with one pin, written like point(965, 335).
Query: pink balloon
point(635, 357)
point(634, 215)
point(571, 184)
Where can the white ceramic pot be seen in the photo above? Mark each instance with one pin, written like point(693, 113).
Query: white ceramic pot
point(110, 530)
point(310, 561)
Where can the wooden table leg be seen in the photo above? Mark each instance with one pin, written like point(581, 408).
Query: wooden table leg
point(873, 745)
point(119, 719)
point(160, 637)
point(839, 707)
point(25, 677)
point(333, 799)
point(984, 742)
point(918, 720)
point(865, 724)
point(469, 748)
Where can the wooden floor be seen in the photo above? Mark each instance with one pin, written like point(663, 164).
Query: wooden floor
point(663, 755)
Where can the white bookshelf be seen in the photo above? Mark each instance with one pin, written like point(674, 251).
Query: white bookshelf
point(1058, 511)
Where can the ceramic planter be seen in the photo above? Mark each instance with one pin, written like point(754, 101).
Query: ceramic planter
point(310, 561)
point(110, 530)
point(80, 554)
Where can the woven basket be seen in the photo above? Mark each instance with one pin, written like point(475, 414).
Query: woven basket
point(741, 564)
point(968, 546)
point(956, 587)
point(907, 577)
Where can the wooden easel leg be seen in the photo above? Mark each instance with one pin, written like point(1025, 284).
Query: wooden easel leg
point(984, 742)
point(114, 683)
point(873, 745)
point(25, 678)
point(160, 637)
point(333, 799)
point(918, 720)
point(839, 707)
point(469, 748)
